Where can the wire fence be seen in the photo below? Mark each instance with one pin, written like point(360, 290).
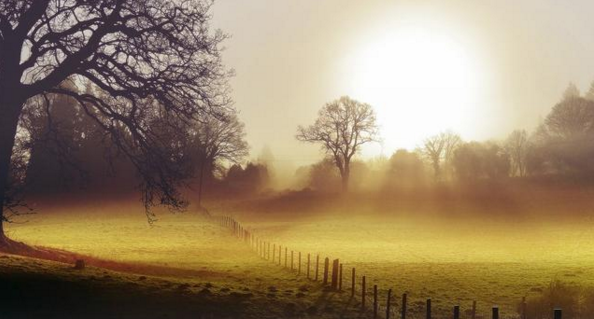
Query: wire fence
point(370, 299)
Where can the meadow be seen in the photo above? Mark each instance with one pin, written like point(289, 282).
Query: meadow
point(453, 259)
point(184, 266)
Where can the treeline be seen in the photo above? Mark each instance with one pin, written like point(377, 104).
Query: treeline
point(562, 146)
point(63, 149)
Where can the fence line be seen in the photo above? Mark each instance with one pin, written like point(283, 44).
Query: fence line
point(262, 249)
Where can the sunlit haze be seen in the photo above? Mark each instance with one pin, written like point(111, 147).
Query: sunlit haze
point(480, 69)
point(283, 159)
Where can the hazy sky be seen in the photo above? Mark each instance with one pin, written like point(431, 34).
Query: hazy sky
point(480, 68)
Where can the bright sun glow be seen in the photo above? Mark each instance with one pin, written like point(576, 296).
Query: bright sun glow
point(419, 82)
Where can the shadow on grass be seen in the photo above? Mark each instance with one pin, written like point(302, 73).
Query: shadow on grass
point(38, 295)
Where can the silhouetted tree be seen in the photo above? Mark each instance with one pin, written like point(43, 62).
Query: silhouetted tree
point(565, 140)
point(324, 176)
point(570, 118)
point(218, 140)
point(67, 148)
point(342, 127)
point(156, 59)
point(406, 169)
point(571, 91)
point(590, 94)
point(517, 146)
point(249, 180)
point(473, 161)
point(439, 150)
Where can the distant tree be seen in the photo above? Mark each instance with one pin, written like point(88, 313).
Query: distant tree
point(406, 168)
point(590, 94)
point(496, 161)
point(67, 148)
point(156, 59)
point(433, 149)
point(517, 146)
point(564, 142)
point(467, 162)
point(254, 177)
point(439, 150)
point(473, 161)
point(324, 176)
point(266, 157)
point(571, 92)
point(570, 118)
point(342, 127)
point(217, 139)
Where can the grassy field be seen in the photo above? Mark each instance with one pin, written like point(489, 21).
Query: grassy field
point(183, 267)
point(453, 260)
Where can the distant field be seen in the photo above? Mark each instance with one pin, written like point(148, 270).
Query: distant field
point(453, 261)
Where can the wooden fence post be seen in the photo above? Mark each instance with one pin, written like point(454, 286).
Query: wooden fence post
point(495, 313)
point(473, 312)
point(403, 313)
point(268, 252)
point(428, 315)
point(335, 274)
point(308, 262)
point(363, 292)
point(326, 266)
point(374, 301)
point(353, 283)
point(317, 265)
point(557, 313)
point(387, 303)
point(286, 254)
point(340, 278)
point(299, 267)
point(273, 252)
point(279, 254)
point(456, 312)
point(291, 260)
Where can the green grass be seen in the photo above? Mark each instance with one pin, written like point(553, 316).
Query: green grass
point(200, 270)
point(453, 261)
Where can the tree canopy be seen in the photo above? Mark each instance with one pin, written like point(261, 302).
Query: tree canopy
point(342, 127)
point(153, 68)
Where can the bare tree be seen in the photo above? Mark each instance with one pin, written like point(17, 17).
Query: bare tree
point(218, 140)
point(153, 64)
point(517, 146)
point(571, 92)
point(342, 127)
point(433, 149)
point(571, 118)
point(439, 150)
point(590, 94)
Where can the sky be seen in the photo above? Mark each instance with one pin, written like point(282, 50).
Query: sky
point(478, 68)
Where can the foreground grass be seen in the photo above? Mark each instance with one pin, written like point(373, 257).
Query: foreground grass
point(183, 268)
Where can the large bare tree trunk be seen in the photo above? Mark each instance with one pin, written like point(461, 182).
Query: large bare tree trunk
point(10, 108)
point(200, 181)
point(345, 180)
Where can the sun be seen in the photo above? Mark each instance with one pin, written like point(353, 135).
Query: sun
point(419, 81)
